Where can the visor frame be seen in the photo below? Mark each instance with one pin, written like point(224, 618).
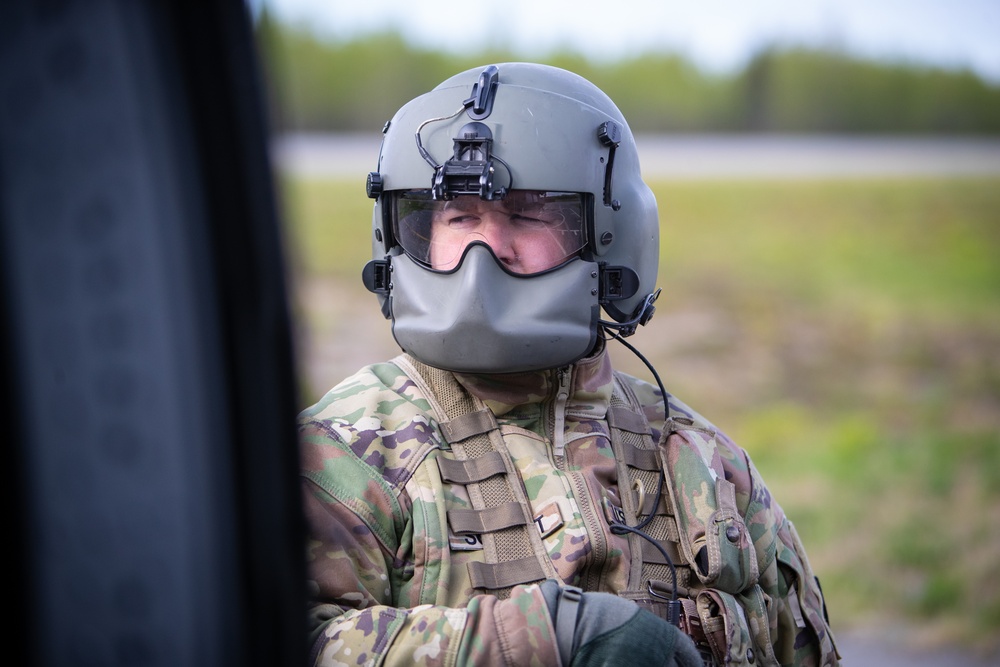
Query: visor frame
point(410, 230)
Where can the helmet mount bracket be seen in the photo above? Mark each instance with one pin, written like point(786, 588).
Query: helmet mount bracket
point(469, 171)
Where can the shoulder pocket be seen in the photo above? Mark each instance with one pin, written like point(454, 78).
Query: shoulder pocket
point(713, 534)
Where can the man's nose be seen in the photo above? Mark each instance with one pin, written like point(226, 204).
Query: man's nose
point(498, 234)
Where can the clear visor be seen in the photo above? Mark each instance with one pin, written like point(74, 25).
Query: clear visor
point(529, 231)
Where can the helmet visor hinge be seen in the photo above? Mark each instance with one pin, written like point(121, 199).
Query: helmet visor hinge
point(375, 276)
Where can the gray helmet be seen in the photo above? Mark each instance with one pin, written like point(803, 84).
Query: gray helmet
point(492, 132)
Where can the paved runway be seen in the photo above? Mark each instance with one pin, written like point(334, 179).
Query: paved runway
point(709, 156)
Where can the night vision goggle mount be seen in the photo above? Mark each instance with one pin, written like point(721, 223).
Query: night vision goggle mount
point(469, 171)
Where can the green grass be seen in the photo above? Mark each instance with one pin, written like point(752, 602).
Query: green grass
point(329, 226)
point(913, 244)
point(847, 333)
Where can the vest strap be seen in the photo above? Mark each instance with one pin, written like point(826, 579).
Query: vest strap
point(643, 459)
point(650, 554)
point(471, 470)
point(662, 509)
point(463, 427)
point(490, 520)
point(625, 419)
point(499, 576)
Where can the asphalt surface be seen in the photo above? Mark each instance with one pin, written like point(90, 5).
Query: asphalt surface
point(907, 647)
point(707, 156)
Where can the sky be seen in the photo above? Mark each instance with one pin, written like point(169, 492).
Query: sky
point(718, 35)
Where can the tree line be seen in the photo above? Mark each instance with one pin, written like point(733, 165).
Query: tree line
point(356, 85)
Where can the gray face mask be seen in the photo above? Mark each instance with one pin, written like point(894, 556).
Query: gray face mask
point(481, 319)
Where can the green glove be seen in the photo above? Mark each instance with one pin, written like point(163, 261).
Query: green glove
point(595, 629)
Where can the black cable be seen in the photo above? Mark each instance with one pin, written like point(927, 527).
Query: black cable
point(673, 604)
point(621, 528)
point(617, 528)
point(420, 145)
point(510, 175)
point(644, 360)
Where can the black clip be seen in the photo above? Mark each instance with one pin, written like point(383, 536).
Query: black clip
point(483, 93)
point(674, 608)
point(609, 133)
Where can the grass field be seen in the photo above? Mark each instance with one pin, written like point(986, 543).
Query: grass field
point(847, 333)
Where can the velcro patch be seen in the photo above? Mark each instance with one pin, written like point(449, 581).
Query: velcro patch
point(549, 519)
point(465, 542)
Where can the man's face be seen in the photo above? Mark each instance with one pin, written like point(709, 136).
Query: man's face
point(528, 231)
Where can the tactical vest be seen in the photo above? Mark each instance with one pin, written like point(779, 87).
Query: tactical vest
point(675, 489)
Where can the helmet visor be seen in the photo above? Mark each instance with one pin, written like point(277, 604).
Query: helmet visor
point(529, 231)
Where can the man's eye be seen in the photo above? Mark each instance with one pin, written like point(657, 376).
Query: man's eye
point(462, 220)
point(528, 221)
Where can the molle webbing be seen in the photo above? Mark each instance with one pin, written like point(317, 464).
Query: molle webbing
point(489, 520)
point(469, 471)
point(650, 578)
point(512, 548)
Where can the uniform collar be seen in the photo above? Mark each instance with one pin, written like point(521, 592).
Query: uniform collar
point(590, 382)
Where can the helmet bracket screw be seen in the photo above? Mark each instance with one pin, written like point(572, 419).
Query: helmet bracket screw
point(607, 238)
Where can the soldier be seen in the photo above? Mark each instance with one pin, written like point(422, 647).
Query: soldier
point(498, 494)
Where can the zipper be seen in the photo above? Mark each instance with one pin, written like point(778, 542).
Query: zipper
point(593, 565)
point(559, 420)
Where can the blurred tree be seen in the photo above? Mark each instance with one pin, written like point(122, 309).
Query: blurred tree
point(803, 90)
point(356, 85)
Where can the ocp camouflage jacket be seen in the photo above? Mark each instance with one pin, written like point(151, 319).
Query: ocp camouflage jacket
point(425, 547)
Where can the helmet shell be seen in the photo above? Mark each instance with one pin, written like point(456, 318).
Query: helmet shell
point(545, 124)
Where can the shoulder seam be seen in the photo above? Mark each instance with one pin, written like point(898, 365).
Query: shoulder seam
point(360, 509)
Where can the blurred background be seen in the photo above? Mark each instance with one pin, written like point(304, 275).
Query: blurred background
point(828, 175)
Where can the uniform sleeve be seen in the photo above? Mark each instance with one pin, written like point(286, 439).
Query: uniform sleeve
point(356, 531)
point(800, 631)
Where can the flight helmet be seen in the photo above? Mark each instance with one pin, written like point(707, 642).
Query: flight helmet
point(509, 211)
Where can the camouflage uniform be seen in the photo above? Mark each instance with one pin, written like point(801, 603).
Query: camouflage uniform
point(390, 581)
